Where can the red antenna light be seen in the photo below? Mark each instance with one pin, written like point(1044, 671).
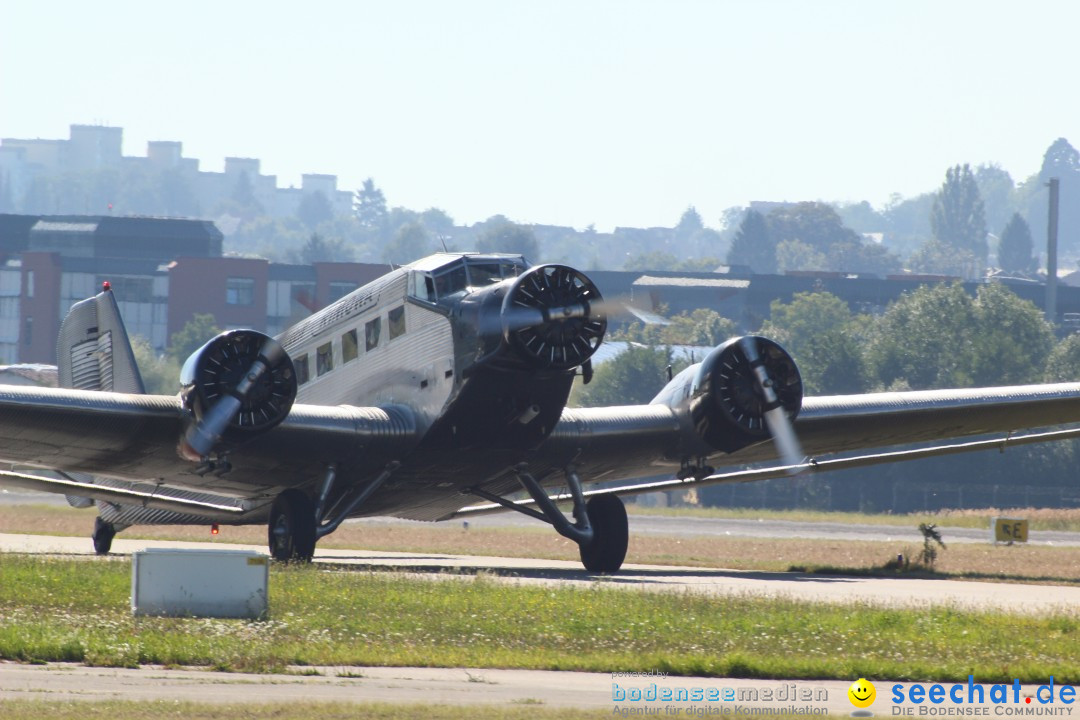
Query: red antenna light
point(106, 286)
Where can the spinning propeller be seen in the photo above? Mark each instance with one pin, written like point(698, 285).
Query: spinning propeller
point(776, 417)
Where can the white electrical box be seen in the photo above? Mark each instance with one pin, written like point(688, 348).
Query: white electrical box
point(199, 583)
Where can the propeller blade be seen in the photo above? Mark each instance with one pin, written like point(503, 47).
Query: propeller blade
point(783, 433)
point(202, 436)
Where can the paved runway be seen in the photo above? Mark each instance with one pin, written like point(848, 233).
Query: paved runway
point(455, 686)
point(893, 592)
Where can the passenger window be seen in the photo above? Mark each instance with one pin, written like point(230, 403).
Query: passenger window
point(371, 333)
point(324, 359)
point(396, 321)
point(301, 365)
point(422, 287)
point(349, 347)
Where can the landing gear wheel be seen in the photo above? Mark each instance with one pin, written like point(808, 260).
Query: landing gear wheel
point(292, 527)
point(104, 532)
point(606, 552)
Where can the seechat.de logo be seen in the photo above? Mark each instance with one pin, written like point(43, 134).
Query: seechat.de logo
point(862, 695)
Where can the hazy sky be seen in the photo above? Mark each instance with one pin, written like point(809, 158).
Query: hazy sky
point(607, 112)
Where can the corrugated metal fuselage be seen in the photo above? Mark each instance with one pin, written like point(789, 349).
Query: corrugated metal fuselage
point(469, 415)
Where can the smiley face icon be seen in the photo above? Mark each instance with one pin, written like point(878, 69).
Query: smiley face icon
point(861, 693)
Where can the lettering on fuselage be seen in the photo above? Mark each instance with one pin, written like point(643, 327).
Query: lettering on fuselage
point(345, 308)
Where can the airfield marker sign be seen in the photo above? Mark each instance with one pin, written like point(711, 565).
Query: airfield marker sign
point(1008, 530)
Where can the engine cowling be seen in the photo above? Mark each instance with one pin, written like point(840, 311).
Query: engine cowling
point(238, 385)
point(551, 317)
point(727, 405)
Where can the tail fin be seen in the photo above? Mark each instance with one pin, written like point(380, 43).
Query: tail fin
point(93, 351)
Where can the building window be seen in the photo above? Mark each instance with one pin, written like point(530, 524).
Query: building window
point(324, 359)
point(371, 333)
point(396, 321)
point(239, 291)
point(301, 365)
point(28, 331)
point(130, 289)
point(350, 348)
point(339, 290)
point(29, 283)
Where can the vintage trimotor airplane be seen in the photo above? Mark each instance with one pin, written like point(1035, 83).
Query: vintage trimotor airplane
point(441, 385)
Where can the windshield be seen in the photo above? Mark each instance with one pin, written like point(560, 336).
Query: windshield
point(463, 273)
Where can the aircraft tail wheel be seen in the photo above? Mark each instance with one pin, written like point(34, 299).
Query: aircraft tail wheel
point(104, 532)
point(292, 527)
point(606, 552)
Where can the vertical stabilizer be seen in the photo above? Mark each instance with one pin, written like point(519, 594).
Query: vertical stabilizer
point(93, 351)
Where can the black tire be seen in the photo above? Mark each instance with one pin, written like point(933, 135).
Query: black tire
point(104, 532)
point(611, 534)
point(291, 533)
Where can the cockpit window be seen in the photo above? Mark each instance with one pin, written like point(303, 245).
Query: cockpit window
point(482, 274)
point(438, 283)
point(451, 281)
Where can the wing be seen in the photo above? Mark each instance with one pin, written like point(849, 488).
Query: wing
point(134, 438)
point(623, 442)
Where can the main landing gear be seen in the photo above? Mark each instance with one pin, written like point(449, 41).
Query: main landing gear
point(599, 527)
point(297, 523)
point(104, 532)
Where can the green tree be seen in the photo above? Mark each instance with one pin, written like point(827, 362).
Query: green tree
point(823, 336)
point(958, 218)
point(195, 333)
point(370, 208)
point(753, 244)
point(411, 242)
point(320, 249)
point(815, 224)
point(314, 209)
point(689, 225)
point(797, 255)
point(509, 237)
point(1063, 364)
point(938, 336)
point(907, 222)
point(1015, 246)
point(437, 222)
point(160, 373)
point(700, 327)
point(1011, 340)
point(921, 340)
point(812, 236)
point(633, 377)
point(1061, 161)
point(998, 193)
point(936, 258)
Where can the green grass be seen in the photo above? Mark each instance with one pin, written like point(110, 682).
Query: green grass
point(62, 610)
point(168, 710)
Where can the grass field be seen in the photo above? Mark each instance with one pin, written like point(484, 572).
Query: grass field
point(984, 562)
point(39, 710)
point(70, 610)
